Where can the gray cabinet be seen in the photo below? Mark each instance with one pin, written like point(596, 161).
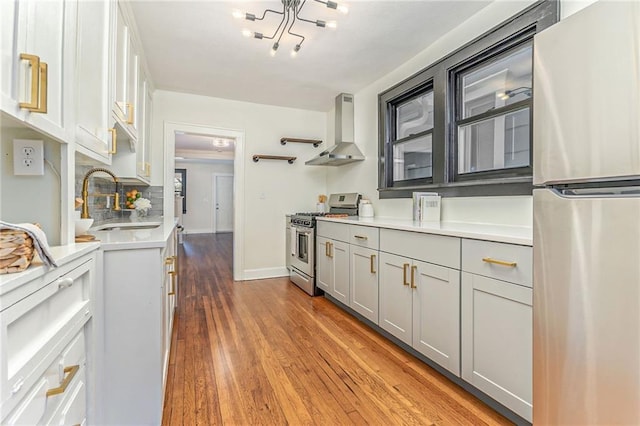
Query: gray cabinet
point(419, 304)
point(497, 324)
point(324, 265)
point(364, 282)
point(340, 278)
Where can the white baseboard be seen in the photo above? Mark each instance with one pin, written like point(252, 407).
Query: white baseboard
point(257, 274)
point(198, 231)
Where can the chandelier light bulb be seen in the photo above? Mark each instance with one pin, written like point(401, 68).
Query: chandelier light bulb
point(295, 51)
point(332, 24)
point(343, 9)
point(274, 49)
point(247, 33)
point(238, 14)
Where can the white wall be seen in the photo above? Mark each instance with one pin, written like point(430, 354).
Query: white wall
point(363, 177)
point(33, 199)
point(272, 188)
point(199, 216)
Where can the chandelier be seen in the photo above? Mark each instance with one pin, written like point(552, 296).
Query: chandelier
point(290, 15)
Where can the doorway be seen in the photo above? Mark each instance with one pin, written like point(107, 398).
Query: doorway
point(173, 130)
point(222, 202)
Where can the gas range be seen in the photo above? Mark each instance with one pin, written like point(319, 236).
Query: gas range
point(306, 219)
point(302, 239)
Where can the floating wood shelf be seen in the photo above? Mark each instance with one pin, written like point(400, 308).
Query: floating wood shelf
point(259, 157)
point(315, 142)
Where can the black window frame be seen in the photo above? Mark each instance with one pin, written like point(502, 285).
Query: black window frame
point(455, 76)
point(392, 107)
point(441, 77)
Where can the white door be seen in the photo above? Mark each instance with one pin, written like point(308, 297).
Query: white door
point(364, 282)
point(223, 203)
point(395, 298)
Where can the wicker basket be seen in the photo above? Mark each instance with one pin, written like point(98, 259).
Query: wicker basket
point(16, 251)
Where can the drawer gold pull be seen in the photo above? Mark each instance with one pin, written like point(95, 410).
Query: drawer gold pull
point(65, 282)
point(360, 237)
point(34, 64)
point(404, 274)
point(175, 263)
point(173, 282)
point(44, 75)
point(129, 113)
point(72, 370)
point(372, 259)
point(499, 262)
point(413, 276)
point(169, 260)
point(114, 140)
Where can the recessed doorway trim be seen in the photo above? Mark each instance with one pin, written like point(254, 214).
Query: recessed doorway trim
point(170, 129)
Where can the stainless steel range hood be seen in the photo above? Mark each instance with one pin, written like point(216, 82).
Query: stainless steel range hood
point(344, 151)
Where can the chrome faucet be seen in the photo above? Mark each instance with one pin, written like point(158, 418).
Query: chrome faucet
point(86, 195)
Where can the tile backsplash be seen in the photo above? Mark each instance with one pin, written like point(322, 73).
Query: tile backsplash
point(101, 208)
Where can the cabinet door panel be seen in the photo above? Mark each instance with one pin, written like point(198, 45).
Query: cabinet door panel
point(120, 60)
point(92, 79)
point(395, 297)
point(340, 253)
point(324, 265)
point(9, 51)
point(436, 314)
point(497, 329)
point(49, 35)
point(364, 282)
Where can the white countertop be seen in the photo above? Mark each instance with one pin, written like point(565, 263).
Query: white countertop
point(62, 255)
point(479, 231)
point(128, 239)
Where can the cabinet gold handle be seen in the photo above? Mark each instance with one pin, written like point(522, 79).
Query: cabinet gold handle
point(499, 262)
point(326, 248)
point(173, 282)
point(44, 76)
point(147, 169)
point(34, 64)
point(360, 237)
point(129, 113)
point(114, 140)
point(72, 370)
point(372, 260)
point(404, 274)
point(413, 276)
point(169, 260)
point(331, 250)
point(175, 263)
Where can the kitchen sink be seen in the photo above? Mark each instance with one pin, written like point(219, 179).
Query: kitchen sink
point(124, 226)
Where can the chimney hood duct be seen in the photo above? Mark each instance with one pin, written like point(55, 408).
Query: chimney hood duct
point(344, 151)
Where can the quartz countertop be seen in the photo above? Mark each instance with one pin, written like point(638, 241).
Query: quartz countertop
point(520, 235)
point(128, 239)
point(62, 255)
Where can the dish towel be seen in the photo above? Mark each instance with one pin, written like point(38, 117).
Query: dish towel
point(39, 240)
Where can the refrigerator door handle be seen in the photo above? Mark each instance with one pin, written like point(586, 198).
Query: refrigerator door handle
point(600, 192)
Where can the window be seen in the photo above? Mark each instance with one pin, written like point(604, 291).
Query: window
point(462, 126)
point(412, 137)
point(493, 110)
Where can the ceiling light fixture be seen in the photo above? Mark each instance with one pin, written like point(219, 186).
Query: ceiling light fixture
point(290, 14)
point(513, 92)
point(220, 143)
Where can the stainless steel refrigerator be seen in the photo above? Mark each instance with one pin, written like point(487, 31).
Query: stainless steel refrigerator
point(586, 292)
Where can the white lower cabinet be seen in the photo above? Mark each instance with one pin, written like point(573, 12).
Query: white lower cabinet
point(138, 305)
point(364, 282)
point(46, 356)
point(419, 304)
point(324, 265)
point(497, 327)
point(332, 260)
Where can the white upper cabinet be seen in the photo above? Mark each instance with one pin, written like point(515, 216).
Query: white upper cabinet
point(38, 48)
point(126, 69)
point(93, 135)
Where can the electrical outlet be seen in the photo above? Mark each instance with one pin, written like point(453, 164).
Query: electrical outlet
point(28, 157)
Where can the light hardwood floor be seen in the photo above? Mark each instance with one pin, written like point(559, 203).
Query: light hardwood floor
point(264, 352)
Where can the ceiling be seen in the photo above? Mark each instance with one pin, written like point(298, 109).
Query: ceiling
point(197, 47)
point(190, 146)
